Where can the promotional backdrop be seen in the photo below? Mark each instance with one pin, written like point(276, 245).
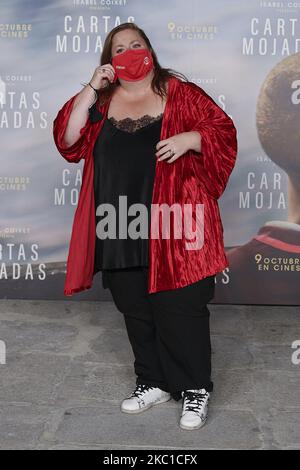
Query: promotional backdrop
point(244, 53)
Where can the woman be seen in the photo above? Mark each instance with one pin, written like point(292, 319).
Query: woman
point(158, 141)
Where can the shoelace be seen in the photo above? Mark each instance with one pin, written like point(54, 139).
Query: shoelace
point(140, 389)
point(193, 400)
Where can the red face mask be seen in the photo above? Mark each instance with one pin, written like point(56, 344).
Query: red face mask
point(132, 64)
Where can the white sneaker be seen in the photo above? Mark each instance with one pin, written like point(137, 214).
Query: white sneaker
point(194, 408)
point(143, 397)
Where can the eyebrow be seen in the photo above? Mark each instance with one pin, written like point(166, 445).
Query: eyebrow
point(129, 43)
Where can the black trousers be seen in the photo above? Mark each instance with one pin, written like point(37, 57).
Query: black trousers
point(168, 330)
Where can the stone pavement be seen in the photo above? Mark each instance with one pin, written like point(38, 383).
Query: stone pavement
point(69, 364)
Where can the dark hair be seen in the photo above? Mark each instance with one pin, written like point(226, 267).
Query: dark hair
point(161, 75)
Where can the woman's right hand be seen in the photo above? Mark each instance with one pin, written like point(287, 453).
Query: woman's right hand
point(101, 76)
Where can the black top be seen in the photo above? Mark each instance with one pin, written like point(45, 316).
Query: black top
point(124, 165)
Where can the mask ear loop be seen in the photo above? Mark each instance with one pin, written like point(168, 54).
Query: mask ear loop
point(115, 74)
point(115, 78)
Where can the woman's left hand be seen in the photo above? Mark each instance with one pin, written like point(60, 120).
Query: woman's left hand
point(177, 145)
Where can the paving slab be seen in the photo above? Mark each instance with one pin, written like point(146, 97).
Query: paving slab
point(69, 365)
point(104, 424)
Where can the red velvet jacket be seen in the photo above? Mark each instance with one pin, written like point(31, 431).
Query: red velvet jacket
point(194, 177)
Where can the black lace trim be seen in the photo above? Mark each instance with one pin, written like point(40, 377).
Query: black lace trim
point(131, 125)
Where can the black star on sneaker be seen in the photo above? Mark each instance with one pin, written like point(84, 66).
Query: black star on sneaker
point(143, 397)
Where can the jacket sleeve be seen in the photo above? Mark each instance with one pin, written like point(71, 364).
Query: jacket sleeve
point(76, 151)
point(218, 140)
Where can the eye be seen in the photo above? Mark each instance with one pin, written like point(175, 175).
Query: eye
point(120, 49)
